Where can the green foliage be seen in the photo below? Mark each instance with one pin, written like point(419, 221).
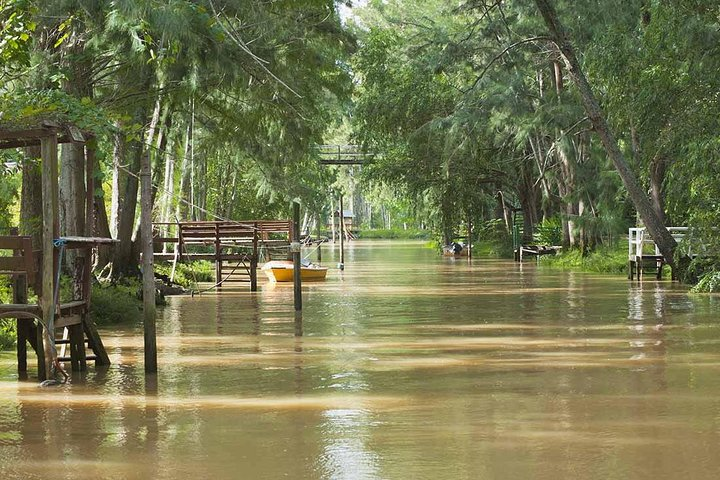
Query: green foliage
point(116, 303)
point(26, 108)
point(16, 29)
point(709, 283)
point(395, 233)
point(606, 259)
point(549, 232)
point(7, 333)
point(492, 239)
point(189, 274)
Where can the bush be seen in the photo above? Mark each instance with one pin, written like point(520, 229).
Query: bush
point(602, 260)
point(549, 232)
point(493, 239)
point(7, 325)
point(116, 303)
point(189, 274)
point(709, 283)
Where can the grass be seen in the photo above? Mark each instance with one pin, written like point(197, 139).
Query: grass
point(611, 260)
point(395, 233)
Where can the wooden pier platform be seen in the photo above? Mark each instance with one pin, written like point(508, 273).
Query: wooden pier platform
point(234, 246)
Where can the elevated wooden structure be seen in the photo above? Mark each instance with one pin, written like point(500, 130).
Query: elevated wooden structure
point(234, 247)
point(344, 155)
point(40, 269)
point(644, 255)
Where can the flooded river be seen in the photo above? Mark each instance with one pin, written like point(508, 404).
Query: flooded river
point(405, 366)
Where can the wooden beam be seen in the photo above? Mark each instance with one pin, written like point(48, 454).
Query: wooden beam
point(297, 279)
point(149, 331)
point(48, 152)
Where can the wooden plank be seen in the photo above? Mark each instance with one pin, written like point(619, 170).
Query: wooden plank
point(68, 320)
point(11, 265)
point(95, 342)
point(11, 242)
point(27, 133)
point(28, 308)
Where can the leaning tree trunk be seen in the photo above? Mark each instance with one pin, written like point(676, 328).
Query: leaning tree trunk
point(658, 168)
point(665, 242)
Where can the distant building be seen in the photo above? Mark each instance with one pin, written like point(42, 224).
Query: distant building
point(348, 219)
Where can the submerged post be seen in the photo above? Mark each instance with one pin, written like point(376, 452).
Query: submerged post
point(48, 148)
point(469, 233)
point(150, 349)
point(341, 265)
point(295, 248)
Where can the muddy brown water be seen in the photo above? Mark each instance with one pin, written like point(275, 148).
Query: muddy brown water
point(410, 366)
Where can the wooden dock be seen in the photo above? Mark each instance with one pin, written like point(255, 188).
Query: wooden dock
point(234, 246)
point(644, 255)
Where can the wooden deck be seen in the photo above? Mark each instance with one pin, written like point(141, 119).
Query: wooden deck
point(234, 246)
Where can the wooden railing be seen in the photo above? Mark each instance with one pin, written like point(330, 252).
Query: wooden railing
point(638, 238)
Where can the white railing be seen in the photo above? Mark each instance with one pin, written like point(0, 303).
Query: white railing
point(639, 237)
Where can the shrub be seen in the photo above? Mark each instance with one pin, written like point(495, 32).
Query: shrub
point(189, 274)
point(603, 260)
point(116, 303)
point(709, 283)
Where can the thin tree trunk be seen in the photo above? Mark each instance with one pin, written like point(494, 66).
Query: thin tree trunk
point(665, 242)
point(119, 178)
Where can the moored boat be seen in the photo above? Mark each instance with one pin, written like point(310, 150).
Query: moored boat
point(282, 271)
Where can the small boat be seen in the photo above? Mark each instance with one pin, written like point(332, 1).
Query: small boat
point(455, 250)
point(282, 271)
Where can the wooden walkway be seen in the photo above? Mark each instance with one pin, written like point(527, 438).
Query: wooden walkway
point(644, 255)
point(234, 247)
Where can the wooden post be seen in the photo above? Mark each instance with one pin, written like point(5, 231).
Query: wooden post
point(20, 297)
point(254, 260)
point(332, 218)
point(147, 265)
point(341, 266)
point(218, 259)
point(319, 251)
point(469, 232)
point(48, 149)
point(297, 281)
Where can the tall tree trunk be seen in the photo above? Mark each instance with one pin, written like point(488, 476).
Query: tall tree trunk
point(183, 211)
point(102, 229)
point(123, 262)
point(31, 197)
point(72, 198)
point(72, 161)
point(119, 178)
point(665, 242)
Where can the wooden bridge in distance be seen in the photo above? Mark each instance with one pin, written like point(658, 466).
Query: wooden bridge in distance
point(344, 155)
point(234, 246)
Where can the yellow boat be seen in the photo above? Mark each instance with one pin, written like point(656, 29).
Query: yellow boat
point(282, 271)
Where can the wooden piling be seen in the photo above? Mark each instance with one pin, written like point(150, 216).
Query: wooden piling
point(297, 281)
point(469, 235)
point(218, 258)
point(150, 349)
point(254, 260)
point(342, 234)
point(20, 295)
point(48, 149)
